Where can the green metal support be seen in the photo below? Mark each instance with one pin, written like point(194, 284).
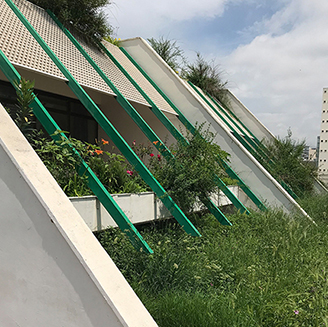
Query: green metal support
point(83, 169)
point(192, 129)
point(247, 145)
point(250, 140)
point(258, 142)
point(136, 116)
point(110, 130)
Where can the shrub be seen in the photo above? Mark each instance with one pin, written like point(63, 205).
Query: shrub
point(189, 177)
point(288, 164)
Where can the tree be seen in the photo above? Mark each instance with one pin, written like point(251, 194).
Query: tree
point(168, 50)
point(206, 76)
point(82, 16)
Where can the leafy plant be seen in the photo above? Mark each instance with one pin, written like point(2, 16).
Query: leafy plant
point(110, 168)
point(23, 116)
point(112, 40)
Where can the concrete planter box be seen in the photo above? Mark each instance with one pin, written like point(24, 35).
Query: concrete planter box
point(139, 208)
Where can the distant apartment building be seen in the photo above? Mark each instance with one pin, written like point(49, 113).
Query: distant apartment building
point(323, 147)
point(309, 154)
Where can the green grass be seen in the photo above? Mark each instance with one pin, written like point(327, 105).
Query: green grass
point(266, 270)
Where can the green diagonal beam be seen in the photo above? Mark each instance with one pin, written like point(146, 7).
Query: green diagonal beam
point(109, 129)
point(247, 145)
point(83, 169)
point(259, 143)
point(251, 141)
point(192, 129)
point(135, 115)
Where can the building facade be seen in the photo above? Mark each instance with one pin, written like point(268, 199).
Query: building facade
point(323, 148)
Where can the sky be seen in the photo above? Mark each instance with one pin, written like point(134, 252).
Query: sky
point(273, 53)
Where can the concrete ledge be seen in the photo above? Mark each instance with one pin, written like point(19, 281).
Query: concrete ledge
point(139, 208)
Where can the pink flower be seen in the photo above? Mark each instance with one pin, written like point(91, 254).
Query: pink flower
point(212, 284)
point(159, 157)
point(130, 172)
point(134, 142)
point(296, 312)
point(151, 154)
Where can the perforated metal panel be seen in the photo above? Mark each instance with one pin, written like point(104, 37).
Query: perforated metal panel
point(21, 48)
point(114, 74)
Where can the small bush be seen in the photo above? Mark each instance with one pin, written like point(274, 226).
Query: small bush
point(288, 165)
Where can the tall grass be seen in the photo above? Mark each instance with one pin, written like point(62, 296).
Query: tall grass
point(266, 270)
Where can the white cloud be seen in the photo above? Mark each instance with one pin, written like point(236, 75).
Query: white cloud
point(149, 17)
point(280, 74)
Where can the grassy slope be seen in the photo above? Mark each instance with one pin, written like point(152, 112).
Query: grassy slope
point(265, 270)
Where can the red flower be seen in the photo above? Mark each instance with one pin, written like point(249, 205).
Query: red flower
point(134, 142)
point(130, 172)
point(159, 157)
point(99, 151)
point(151, 154)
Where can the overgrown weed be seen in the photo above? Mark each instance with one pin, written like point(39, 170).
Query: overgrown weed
point(268, 269)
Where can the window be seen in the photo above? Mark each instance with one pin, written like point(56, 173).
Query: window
point(68, 113)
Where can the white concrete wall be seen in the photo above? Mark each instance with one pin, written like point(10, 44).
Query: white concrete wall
point(197, 111)
point(53, 271)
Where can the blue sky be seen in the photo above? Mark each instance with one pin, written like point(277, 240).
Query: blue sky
point(274, 54)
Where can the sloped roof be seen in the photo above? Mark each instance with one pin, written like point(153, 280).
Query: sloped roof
point(23, 50)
